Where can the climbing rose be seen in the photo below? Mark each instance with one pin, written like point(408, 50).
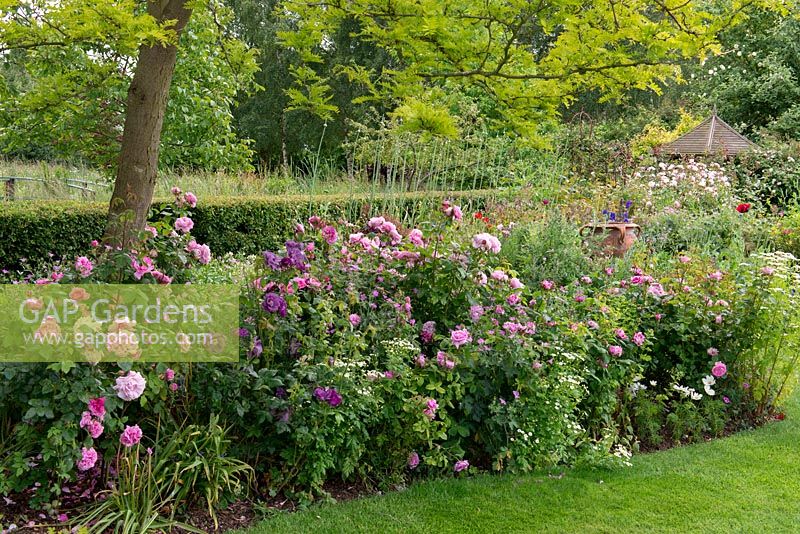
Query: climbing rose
point(331, 396)
point(430, 408)
point(84, 266)
point(88, 459)
point(415, 236)
point(131, 386)
point(131, 435)
point(615, 350)
point(428, 330)
point(460, 466)
point(719, 369)
point(190, 199)
point(95, 428)
point(274, 303)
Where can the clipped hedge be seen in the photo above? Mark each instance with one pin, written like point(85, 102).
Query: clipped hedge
point(35, 230)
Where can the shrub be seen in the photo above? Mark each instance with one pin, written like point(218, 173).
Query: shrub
point(769, 176)
point(39, 231)
point(548, 249)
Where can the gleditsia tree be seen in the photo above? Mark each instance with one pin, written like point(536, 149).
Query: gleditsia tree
point(530, 56)
point(148, 32)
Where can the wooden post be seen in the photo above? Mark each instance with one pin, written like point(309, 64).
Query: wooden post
point(10, 189)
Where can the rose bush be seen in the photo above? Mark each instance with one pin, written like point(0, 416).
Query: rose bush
point(378, 352)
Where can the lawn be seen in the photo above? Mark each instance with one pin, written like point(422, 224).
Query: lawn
point(746, 483)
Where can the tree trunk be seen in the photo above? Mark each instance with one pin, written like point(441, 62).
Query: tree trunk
point(141, 137)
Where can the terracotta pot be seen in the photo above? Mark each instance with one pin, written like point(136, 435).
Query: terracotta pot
point(619, 237)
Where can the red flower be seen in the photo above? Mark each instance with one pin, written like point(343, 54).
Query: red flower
point(545, 202)
point(478, 215)
point(743, 208)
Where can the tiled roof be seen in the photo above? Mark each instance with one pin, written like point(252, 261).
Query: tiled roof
point(712, 136)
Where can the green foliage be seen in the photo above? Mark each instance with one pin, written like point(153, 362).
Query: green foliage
point(78, 59)
point(420, 117)
point(770, 176)
point(786, 232)
point(722, 233)
point(755, 81)
point(655, 134)
point(548, 249)
point(531, 59)
point(289, 125)
point(188, 465)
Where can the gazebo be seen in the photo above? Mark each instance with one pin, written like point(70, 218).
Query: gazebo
point(713, 136)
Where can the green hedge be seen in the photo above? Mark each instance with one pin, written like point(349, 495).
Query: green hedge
point(35, 230)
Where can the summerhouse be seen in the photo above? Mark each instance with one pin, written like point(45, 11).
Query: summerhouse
point(713, 136)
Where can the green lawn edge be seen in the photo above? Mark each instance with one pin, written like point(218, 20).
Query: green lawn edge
point(749, 482)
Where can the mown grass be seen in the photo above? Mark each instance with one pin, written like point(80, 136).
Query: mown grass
point(749, 482)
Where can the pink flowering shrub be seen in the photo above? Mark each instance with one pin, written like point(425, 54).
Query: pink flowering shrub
point(373, 351)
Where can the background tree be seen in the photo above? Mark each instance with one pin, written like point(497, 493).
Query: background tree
point(280, 133)
point(127, 47)
point(530, 57)
point(755, 81)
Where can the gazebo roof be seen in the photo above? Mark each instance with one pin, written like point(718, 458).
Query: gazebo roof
point(712, 136)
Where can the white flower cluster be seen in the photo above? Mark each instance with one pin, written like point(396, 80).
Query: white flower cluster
point(400, 347)
point(635, 388)
point(687, 392)
point(708, 382)
point(691, 179)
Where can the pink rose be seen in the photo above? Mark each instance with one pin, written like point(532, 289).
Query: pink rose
point(130, 386)
point(615, 350)
point(719, 370)
point(330, 234)
point(190, 199)
point(131, 435)
point(184, 225)
point(638, 339)
point(88, 459)
point(460, 336)
point(415, 237)
point(98, 407)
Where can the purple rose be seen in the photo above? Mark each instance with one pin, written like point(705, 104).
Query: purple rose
point(272, 260)
point(413, 460)
point(460, 466)
point(274, 303)
point(428, 329)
